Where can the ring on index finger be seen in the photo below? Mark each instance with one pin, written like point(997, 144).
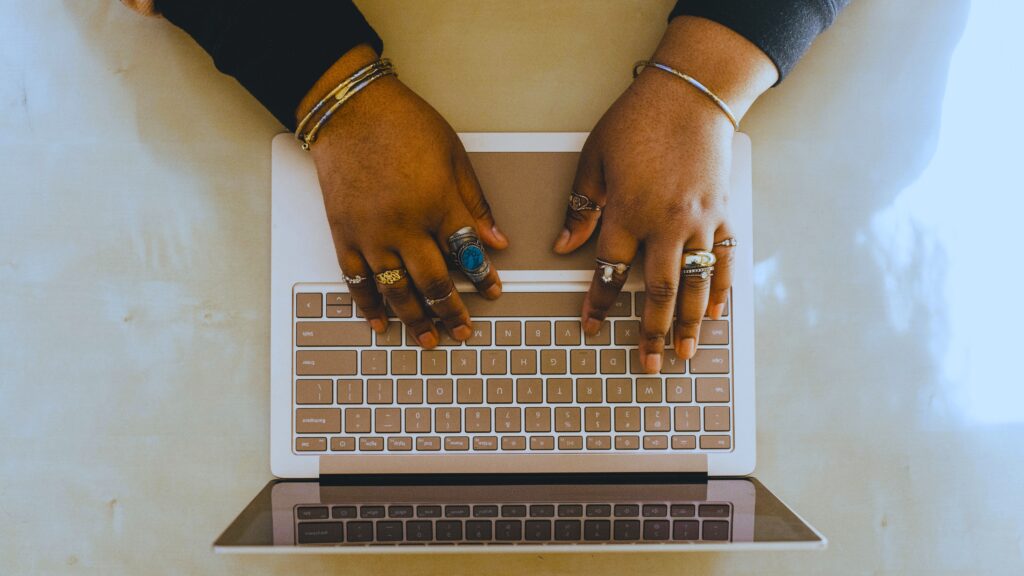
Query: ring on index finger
point(580, 203)
point(609, 269)
point(467, 252)
point(698, 263)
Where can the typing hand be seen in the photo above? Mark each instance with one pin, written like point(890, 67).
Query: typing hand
point(657, 164)
point(397, 184)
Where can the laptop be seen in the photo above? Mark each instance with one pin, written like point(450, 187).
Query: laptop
point(528, 436)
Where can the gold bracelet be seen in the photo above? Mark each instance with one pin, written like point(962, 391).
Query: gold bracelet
point(639, 66)
point(341, 93)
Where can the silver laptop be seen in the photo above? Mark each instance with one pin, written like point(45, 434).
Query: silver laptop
point(530, 433)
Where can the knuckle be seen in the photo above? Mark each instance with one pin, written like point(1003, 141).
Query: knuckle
point(436, 287)
point(661, 291)
point(688, 325)
point(478, 206)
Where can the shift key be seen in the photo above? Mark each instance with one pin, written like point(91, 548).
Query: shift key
point(332, 334)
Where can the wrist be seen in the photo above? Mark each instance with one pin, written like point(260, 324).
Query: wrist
point(728, 64)
point(344, 67)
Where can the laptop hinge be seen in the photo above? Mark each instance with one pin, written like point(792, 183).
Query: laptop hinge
point(477, 463)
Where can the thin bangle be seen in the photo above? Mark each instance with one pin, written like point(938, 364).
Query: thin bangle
point(348, 88)
point(639, 66)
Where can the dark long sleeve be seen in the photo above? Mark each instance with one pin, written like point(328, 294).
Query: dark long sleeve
point(276, 49)
point(783, 29)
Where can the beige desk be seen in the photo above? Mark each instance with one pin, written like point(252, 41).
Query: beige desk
point(134, 243)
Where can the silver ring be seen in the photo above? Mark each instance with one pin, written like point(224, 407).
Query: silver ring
point(467, 252)
point(353, 280)
point(727, 243)
point(433, 301)
point(703, 271)
point(580, 203)
point(609, 268)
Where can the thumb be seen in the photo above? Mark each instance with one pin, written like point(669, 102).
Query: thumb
point(580, 224)
point(476, 203)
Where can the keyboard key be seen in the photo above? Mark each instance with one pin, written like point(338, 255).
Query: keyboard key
point(552, 361)
point(627, 530)
point(601, 510)
point(309, 305)
point(478, 419)
point(538, 333)
point(682, 510)
point(508, 333)
point(339, 311)
point(627, 332)
point(319, 533)
point(603, 337)
point(332, 334)
point(687, 418)
point(508, 419)
point(529, 390)
point(419, 531)
point(570, 510)
point(656, 529)
point(481, 335)
point(343, 444)
point(627, 510)
point(654, 510)
point(359, 531)
point(428, 511)
point(716, 418)
point(627, 418)
point(339, 299)
point(514, 304)
point(568, 530)
point(599, 530)
point(619, 390)
point(368, 511)
point(456, 511)
point(470, 391)
point(714, 332)
point(449, 530)
point(485, 511)
point(403, 363)
point(392, 336)
point(657, 442)
point(715, 442)
point(314, 392)
point(523, 361)
point(714, 510)
point(499, 390)
point(380, 391)
point(434, 362)
point(559, 390)
point(567, 419)
point(410, 391)
point(343, 512)
point(312, 512)
point(627, 442)
point(513, 510)
point(570, 442)
point(538, 419)
point(439, 391)
point(357, 420)
point(685, 530)
point(671, 363)
point(389, 531)
point(350, 391)
point(613, 361)
point(493, 362)
point(508, 530)
point(478, 530)
point(542, 510)
point(317, 420)
point(598, 419)
point(417, 420)
point(684, 442)
point(712, 390)
point(648, 390)
point(599, 442)
point(621, 308)
point(485, 443)
point(542, 443)
point(583, 361)
point(678, 390)
point(428, 443)
point(371, 443)
point(538, 530)
point(463, 362)
point(387, 420)
point(325, 362)
point(447, 420)
point(710, 361)
point(567, 333)
point(715, 530)
point(656, 419)
point(513, 442)
point(456, 443)
point(373, 363)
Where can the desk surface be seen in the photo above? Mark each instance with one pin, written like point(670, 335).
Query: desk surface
point(134, 243)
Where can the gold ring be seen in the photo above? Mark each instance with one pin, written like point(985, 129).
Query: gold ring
point(389, 277)
point(698, 259)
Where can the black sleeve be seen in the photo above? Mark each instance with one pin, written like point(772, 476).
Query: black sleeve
point(783, 29)
point(277, 49)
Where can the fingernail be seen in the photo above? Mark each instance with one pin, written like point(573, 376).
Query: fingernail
point(716, 312)
point(591, 325)
point(563, 239)
point(427, 340)
point(377, 324)
point(651, 362)
point(462, 332)
point(687, 347)
point(493, 291)
point(498, 233)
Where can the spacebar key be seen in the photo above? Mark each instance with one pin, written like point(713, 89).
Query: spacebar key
point(513, 304)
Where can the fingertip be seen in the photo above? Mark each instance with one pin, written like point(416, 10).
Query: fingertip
point(493, 291)
point(427, 340)
point(685, 348)
point(562, 243)
point(651, 361)
point(717, 310)
point(379, 326)
point(500, 240)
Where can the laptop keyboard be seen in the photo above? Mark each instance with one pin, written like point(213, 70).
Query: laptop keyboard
point(531, 523)
point(527, 380)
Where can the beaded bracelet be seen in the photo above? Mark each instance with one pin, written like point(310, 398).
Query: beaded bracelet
point(341, 93)
point(639, 66)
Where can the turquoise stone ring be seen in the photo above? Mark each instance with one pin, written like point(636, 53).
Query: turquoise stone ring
point(467, 252)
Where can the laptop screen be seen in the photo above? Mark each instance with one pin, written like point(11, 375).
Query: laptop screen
point(376, 513)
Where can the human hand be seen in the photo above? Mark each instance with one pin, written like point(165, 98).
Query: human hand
point(397, 183)
point(658, 165)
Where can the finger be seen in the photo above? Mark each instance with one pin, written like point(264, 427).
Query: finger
point(589, 182)
point(721, 281)
point(615, 246)
point(661, 278)
point(403, 298)
point(430, 275)
point(469, 257)
point(476, 203)
point(693, 301)
point(362, 288)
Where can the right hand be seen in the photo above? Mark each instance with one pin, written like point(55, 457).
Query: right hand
point(397, 183)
